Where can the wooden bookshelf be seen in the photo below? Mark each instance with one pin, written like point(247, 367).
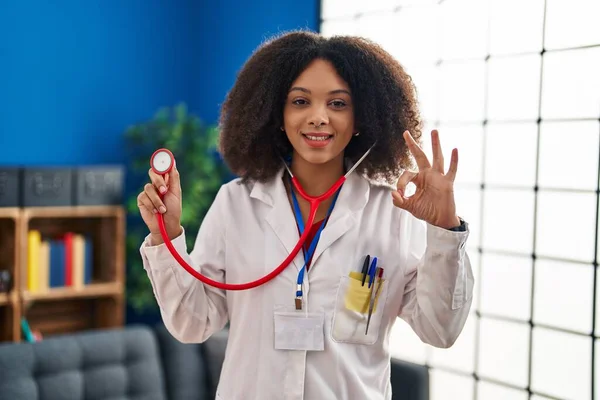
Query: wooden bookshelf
point(91, 290)
point(72, 212)
point(9, 212)
point(9, 261)
point(56, 310)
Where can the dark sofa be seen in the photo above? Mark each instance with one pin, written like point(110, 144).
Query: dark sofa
point(138, 362)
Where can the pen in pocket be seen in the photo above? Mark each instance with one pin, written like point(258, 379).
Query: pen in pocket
point(365, 269)
point(372, 271)
point(373, 295)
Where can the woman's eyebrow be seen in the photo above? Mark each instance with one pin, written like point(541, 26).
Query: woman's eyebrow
point(301, 89)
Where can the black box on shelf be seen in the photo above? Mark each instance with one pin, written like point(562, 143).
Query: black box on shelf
point(47, 186)
point(98, 185)
point(10, 187)
point(6, 281)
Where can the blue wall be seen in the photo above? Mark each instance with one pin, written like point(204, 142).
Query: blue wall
point(74, 75)
point(227, 32)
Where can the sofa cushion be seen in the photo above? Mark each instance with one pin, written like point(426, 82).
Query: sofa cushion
point(214, 355)
point(183, 365)
point(115, 364)
point(409, 381)
point(192, 370)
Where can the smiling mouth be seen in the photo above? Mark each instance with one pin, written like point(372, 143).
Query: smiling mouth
point(317, 137)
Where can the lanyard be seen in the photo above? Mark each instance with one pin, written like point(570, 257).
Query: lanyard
point(313, 244)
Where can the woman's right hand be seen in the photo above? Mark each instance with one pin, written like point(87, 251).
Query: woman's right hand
point(150, 204)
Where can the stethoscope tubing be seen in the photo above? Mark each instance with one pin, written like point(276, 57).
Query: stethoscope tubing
point(314, 206)
point(314, 201)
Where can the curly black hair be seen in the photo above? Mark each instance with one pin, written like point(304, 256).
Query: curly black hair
point(383, 94)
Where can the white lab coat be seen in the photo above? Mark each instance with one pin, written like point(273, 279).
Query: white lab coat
point(250, 229)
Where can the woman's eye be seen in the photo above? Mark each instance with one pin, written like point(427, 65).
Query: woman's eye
point(334, 103)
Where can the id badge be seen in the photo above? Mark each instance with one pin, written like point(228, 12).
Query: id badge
point(298, 330)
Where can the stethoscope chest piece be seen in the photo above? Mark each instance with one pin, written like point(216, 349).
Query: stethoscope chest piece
point(162, 161)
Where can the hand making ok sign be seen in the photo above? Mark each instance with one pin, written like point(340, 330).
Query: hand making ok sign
point(433, 200)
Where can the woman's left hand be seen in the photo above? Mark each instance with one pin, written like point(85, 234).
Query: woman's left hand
point(433, 200)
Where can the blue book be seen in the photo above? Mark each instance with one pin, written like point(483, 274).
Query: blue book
point(88, 261)
point(57, 263)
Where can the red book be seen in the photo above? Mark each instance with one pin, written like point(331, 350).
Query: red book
point(69, 259)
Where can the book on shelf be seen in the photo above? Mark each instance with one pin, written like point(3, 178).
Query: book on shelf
point(63, 261)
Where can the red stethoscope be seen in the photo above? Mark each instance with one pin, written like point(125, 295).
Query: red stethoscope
point(162, 161)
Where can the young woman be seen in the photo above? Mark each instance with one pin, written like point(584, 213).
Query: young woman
point(316, 106)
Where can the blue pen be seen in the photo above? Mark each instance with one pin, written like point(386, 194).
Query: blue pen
point(372, 269)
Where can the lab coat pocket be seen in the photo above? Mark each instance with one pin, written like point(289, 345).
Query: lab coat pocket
point(352, 311)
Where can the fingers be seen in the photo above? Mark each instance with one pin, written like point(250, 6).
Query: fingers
point(417, 152)
point(438, 156)
point(153, 198)
point(174, 182)
point(453, 165)
point(145, 204)
point(168, 182)
point(158, 181)
point(405, 179)
point(398, 200)
point(398, 196)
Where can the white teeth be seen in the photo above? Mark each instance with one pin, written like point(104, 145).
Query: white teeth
point(317, 137)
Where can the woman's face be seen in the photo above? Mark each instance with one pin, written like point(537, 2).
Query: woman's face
point(318, 114)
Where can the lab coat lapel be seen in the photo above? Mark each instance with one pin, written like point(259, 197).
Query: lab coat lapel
point(352, 199)
point(280, 217)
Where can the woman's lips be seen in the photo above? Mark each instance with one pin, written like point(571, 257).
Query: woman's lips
point(318, 140)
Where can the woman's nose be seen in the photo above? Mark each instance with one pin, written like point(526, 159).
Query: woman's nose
point(319, 118)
